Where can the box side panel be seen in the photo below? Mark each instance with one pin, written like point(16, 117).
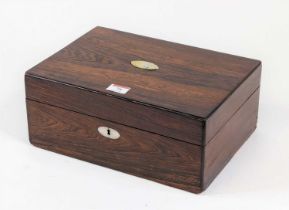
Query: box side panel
point(225, 144)
point(217, 120)
point(136, 152)
point(117, 110)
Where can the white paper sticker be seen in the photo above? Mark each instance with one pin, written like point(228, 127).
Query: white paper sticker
point(118, 88)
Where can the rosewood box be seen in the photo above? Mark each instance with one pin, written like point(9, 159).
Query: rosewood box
point(163, 111)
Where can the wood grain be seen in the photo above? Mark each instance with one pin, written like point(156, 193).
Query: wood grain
point(220, 116)
point(135, 115)
point(179, 125)
point(140, 153)
point(190, 80)
point(225, 144)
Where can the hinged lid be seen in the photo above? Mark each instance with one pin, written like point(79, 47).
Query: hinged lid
point(186, 82)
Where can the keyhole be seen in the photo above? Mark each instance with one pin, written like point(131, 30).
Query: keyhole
point(108, 132)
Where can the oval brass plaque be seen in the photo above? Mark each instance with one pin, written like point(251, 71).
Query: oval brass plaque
point(144, 65)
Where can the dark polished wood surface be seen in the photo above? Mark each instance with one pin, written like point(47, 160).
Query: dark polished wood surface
point(229, 139)
point(190, 80)
point(116, 110)
point(137, 152)
point(179, 125)
point(216, 121)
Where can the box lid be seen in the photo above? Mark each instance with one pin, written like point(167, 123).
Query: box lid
point(189, 81)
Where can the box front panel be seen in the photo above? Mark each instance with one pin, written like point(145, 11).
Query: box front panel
point(134, 151)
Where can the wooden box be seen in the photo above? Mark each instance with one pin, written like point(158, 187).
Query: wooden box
point(163, 111)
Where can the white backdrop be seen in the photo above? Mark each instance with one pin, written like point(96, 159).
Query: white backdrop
point(256, 178)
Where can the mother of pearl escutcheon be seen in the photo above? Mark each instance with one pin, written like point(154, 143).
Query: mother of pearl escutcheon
point(108, 132)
